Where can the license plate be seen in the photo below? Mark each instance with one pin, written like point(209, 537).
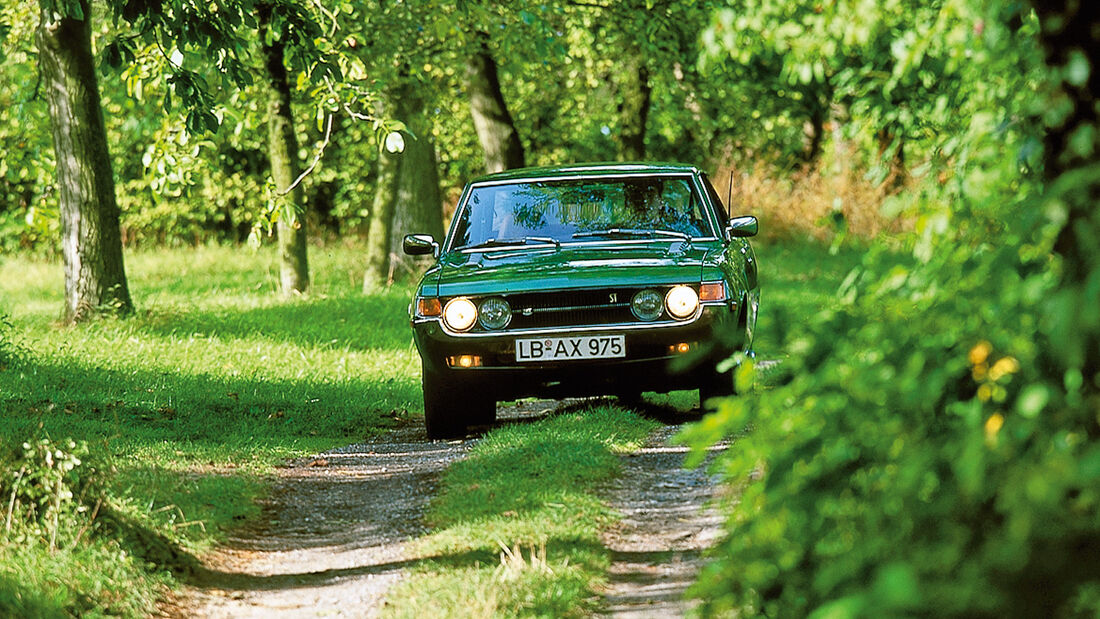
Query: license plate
point(568, 348)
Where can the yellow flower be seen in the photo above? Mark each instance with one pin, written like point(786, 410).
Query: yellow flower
point(985, 393)
point(979, 372)
point(980, 352)
point(1004, 367)
point(993, 425)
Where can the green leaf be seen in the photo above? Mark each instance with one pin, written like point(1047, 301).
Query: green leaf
point(1032, 400)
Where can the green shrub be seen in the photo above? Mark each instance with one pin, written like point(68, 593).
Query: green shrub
point(916, 458)
point(45, 486)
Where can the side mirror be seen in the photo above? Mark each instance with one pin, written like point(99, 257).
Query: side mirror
point(744, 226)
point(420, 245)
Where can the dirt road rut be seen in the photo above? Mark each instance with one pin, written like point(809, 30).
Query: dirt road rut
point(335, 530)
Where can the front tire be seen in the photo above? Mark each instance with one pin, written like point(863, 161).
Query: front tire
point(482, 411)
point(716, 385)
point(444, 417)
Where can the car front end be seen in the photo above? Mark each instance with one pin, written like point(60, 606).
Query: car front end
point(587, 280)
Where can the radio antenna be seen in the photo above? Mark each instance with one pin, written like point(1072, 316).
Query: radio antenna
point(729, 197)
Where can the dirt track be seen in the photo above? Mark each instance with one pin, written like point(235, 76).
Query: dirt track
point(334, 532)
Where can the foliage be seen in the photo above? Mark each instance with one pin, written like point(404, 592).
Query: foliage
point(46, 486)
point(931, 447)
point(180, 185)
point(518, 521)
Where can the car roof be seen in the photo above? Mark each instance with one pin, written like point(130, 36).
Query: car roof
point(587, 169)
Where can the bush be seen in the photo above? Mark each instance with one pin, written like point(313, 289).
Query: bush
point(916, 459)
point(47, 486)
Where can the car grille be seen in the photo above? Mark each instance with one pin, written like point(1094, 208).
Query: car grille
point(571, 308)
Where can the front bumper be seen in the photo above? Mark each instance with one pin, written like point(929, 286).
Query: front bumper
point(651, 362)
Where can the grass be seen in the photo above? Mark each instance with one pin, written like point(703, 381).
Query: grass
point(837, 197)
point(516, 524)
point(797, 281)
point(191, 402)
point(196, 397)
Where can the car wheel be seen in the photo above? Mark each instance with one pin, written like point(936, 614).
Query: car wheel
point(482, 412)
point(444, 412)
point(630, 399)
point(716, 385)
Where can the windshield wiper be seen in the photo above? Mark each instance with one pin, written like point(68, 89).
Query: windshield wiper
point(633, 232)
point(527, 240)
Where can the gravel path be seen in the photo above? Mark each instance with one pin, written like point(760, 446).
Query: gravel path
point(333, 535)
point(656, 549)
point(335, 530)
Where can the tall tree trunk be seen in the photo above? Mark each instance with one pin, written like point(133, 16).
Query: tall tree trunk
point(282, 147)
point(407, 198)
point(495, 129)
point(634, 110)
point(419, 202)
point(91, 243)
point(377, 273)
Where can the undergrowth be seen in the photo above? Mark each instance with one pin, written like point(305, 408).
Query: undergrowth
point(827, 202)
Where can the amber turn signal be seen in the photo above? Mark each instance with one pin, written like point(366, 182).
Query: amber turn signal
point(712, 291)
point(428, 306)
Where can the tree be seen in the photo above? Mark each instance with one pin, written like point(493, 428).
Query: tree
point(283, 154)
point(495, 129)
point(95, 277)
point(92, 244)
point(1070, 37)
point(406, 198)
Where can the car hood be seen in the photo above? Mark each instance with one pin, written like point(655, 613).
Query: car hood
point(589, 266)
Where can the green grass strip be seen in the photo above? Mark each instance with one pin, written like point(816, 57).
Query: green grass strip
point(517, 523)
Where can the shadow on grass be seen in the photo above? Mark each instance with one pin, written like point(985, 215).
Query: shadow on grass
point(660, 409)
point(356, 322)
point(144, 406)
point(237, 581)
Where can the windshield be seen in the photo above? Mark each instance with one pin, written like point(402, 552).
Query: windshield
point(580, 210)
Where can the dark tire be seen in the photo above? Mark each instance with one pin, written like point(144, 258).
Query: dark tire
point(482, 412)
point(716, 385)
point(444, 411)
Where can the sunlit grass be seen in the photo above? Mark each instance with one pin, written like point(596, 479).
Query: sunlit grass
point(213, 381)
point(517, 523)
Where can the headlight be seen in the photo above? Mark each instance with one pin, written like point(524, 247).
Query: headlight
point(646, 304)
point(682, 301)
point(494, 313)
point(459, 314)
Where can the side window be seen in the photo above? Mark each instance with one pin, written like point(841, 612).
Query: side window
point(722, 210)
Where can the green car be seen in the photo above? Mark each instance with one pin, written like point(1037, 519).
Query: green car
point(601, 279)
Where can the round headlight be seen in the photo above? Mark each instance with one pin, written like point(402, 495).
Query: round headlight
point(647, 304)
point(682, 301)
point(494, 313)
point(459, 314)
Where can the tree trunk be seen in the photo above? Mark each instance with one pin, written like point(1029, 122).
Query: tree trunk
point(91, 243)
point(282, 147)
point(495, 129)
point(407, 198)
point(419, 202)
point(377, 274)
point(634, 110)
